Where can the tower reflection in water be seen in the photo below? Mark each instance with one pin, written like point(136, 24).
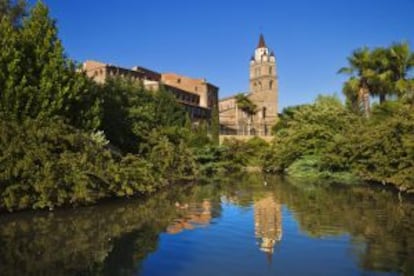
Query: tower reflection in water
point(268, 223)
point(267, 220)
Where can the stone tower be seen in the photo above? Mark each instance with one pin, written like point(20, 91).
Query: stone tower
point(264, 87)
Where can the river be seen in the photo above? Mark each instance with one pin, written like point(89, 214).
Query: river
point(242, 225)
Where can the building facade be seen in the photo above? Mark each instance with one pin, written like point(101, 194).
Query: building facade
point(196, 95)
point(263, 93)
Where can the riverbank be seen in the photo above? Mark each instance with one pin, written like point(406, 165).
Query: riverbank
point(326, 139)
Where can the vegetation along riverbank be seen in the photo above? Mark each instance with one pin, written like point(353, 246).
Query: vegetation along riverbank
point(66, 140)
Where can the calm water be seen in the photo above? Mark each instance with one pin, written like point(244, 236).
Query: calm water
point(235, 227)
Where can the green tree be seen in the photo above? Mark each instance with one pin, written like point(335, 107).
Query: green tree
point(358, 87)
point(215, 124)
point(248, 107)
point(306, 131)
point(127, 114)
point(11, 69)
point(38, 81)
point(245, 104)
point(383, 148)
point(168, 111)
point(378, 72)
point(399, 67)
point(54, 87)
point(14, 10)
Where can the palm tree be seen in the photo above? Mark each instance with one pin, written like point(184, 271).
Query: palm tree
point(247, 106)
point(392, 68)
point(357, 88)
point(381, 72)
point(400, 66)
point(381, 81)
point(351, 92)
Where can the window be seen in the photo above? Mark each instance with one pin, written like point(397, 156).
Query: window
point(196, 88)
point(178, 80)
point(264, 112)
point(270, 84)
point(270, 70)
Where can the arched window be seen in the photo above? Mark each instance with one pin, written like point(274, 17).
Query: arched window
point(260, 85)
point(270, 84)
point(264, 112)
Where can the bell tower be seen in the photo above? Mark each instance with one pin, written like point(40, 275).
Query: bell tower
point(264, 87)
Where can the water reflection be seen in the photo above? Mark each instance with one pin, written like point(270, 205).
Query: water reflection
point(116, 238)
point(191, 215)
point(111, 239)
point(268, 222)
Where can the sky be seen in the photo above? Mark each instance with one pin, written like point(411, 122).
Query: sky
point(214, 39)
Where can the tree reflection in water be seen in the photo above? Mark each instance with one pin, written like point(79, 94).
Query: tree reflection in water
point(114, 238)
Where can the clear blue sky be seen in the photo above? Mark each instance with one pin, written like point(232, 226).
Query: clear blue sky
point(215, 38)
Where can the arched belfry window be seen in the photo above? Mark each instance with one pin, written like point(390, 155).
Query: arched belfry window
point(270, 84)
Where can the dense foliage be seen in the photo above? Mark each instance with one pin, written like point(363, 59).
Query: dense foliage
point(37, 80)
point(66, 140)
point(232, 156)
point(13, 9)
point(331, 141)
point(380, 72)
point(48, 164)
point(325, 140)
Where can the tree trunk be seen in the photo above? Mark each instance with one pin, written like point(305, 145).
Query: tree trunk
point(364, 99)
point(248, 125)
point(237, 121)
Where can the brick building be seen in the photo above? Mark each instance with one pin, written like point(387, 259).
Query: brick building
point(196, 95)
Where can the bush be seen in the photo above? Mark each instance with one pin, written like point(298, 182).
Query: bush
point(45, 164)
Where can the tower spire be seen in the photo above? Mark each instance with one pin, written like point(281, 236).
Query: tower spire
point(262, 43)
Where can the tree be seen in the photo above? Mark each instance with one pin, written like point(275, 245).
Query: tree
point(378, 72)
point(354, 102)
point(357, 88)
point(215, 124)
point(14, 10)
point(306, 131)
point(168, 111)
point(248, 107)
point(37, 79)
point(11, 69)
point(400, 68)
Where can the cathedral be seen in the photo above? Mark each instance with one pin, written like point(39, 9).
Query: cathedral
point(262, 96)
